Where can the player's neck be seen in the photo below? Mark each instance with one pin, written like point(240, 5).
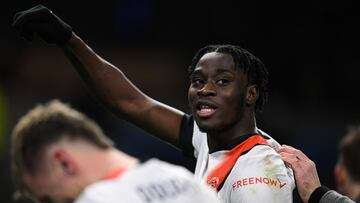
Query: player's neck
point(115, 159)
point(109, 160)
point(245, 126)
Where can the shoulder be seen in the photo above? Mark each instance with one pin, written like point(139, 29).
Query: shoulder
point(103, 191)
point(172, 183)
point(261, 174)
point(192, 140)
point(160, 168)
point(262, 160)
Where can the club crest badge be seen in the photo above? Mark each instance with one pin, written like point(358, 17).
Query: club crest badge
point(212, 182)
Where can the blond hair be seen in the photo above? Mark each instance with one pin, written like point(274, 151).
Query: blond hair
point(44, 125)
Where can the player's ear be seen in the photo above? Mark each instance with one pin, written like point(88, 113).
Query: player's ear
point(252, 94)
point(65, 161)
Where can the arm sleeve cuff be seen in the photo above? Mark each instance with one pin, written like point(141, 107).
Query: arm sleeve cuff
point(186, 134)
point(318, 194)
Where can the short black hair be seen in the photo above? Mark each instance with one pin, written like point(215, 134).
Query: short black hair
point(252, 66)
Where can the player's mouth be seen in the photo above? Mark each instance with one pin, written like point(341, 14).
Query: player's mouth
point(205, 109)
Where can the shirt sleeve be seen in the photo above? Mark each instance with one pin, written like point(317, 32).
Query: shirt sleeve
point(186, 135)
point(260, 176)
point(330, 196)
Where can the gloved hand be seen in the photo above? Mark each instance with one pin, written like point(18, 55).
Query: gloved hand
point(43, 22)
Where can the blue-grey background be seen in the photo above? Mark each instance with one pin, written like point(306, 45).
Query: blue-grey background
point(311, 49)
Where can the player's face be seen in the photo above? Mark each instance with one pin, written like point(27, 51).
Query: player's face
point(216, 92)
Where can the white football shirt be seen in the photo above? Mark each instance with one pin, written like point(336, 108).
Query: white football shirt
point(258, 175)
point(151, 182)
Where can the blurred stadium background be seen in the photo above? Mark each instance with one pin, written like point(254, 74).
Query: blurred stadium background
point(311, 49)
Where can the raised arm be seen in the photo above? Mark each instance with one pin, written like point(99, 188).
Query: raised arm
point(107, 81)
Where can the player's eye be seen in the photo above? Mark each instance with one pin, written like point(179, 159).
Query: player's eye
point(222, 82)
point(197, 82)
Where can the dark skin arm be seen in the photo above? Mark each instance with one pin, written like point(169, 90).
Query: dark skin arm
point(120, 95)
point(107, 81)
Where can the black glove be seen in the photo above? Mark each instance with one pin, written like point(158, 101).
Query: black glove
point(43, 22)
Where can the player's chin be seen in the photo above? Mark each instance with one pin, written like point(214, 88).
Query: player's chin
point(206, 125)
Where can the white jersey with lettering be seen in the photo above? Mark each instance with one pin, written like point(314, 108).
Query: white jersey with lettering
point(246, 170)
point(151, 182)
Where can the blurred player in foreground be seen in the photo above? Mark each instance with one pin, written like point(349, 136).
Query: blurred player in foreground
point(228, 85)
point(59, 155)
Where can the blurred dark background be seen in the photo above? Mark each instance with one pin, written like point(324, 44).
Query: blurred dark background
point(311, 49)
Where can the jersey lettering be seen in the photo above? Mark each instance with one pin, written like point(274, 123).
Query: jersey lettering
point(258, 180)
point(165, 190)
